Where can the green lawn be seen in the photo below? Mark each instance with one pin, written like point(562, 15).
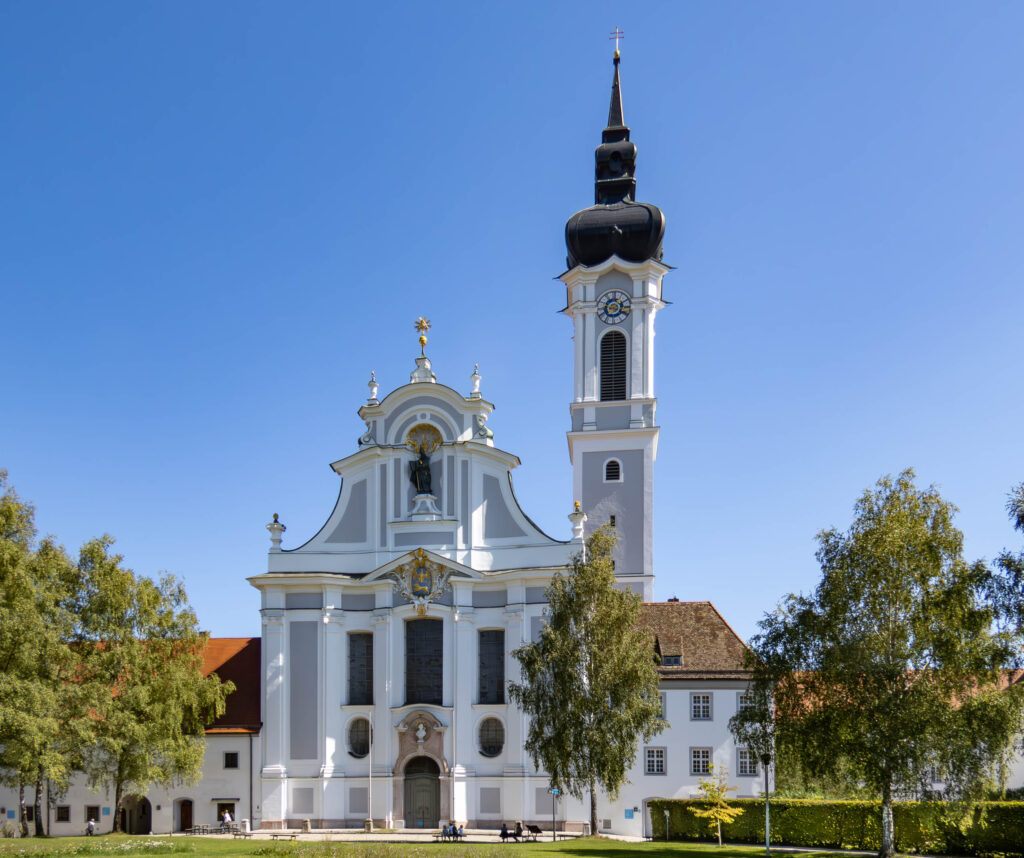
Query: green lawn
point(584, 848)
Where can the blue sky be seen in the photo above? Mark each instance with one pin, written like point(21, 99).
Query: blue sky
point(216, 219)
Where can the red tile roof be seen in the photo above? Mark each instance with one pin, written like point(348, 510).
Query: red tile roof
point(695, 631)
point(237, 659)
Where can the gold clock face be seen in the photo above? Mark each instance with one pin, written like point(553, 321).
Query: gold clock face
point(613, 307)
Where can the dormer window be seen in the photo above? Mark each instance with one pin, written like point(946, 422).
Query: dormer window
point(671, 661)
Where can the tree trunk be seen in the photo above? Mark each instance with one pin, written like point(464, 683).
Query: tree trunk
point(117, 807)
point(718, 827)
point(887, 850)
point(22, 824)
point(593, 807)
point(39, 806)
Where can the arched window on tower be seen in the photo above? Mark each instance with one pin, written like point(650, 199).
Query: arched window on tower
point(613, 366)
point(613, 471)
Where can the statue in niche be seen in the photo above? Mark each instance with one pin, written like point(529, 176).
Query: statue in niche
point(419, 473)
point(421, 732)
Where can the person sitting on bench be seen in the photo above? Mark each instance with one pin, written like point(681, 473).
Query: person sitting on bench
point(504, 832)
point(518, 832)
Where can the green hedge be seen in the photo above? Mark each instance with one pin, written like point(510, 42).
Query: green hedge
point(988, 828)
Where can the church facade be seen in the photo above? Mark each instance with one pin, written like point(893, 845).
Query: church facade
point(388, 636)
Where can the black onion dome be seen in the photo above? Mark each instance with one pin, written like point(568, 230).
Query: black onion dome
point(616, 224)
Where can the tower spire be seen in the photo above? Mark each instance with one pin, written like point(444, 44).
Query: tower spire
point(615, 123)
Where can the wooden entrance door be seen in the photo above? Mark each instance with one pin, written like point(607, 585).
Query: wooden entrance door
point(422, 793)
point(186, 814)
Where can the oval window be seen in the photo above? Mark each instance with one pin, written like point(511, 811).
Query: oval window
point(492, 737)
point(359, 738)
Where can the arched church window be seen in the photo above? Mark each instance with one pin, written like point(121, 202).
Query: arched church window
point(360, 669)
point(424, 661)
point(492, 737)
point(613, 471)
point(359, 738)
point(613, 366)
point(492, 665)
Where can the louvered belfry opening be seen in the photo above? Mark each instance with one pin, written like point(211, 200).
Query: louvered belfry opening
point(613, 366)
point(612, 473)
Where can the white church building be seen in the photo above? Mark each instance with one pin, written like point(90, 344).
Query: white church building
point(378, 687)
point(388, 636)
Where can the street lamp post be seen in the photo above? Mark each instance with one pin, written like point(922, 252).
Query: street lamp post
point(766, 759)
point(369, 757)
point(554, 796)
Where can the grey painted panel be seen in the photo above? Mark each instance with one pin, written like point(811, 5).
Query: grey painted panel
point(624, 500)
point(357, 601)
point(302, 799)
point(498, 520)
point(577, 419)
point(358, 804)
point(426, 403)
point(382, 490)
point(490, 799)
point(446, 537)
point(399, 495)
point(614, 280)
point(449, 485)
point(303, 669)
point(467, 522)
point(352, 527)
point(490, 598)
point(535, 595)
point(614, 417)
point(303, 600)
point(444, 599)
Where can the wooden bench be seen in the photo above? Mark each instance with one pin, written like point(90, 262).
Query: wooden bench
point(283, 835)
point(532, 832)
point(245, 834)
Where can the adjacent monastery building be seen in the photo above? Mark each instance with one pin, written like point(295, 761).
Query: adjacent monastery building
point(377, 689)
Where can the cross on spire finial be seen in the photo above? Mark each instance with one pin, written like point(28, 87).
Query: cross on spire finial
point(617, 34)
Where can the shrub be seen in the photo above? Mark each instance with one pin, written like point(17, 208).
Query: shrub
point(987, 828)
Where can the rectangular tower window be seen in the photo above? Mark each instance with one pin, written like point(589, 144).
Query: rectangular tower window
point(360, 669)
point(613, 366)
point(424, 661)
point(492, 666)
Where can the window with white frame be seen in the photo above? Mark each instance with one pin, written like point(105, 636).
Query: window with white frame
point(744, 701)
point(700, 707)
point(700, 761)
point(747, 763)
point(671, 661)
point(654, 761)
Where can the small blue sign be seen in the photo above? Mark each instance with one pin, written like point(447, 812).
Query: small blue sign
point(10, 814)
point(629, 813)
point(106, 811)
point(553, 791)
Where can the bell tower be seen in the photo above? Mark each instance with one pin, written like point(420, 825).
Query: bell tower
point(613, 291)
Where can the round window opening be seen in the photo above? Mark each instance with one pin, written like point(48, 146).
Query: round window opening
point(492, 737)
point(359, 738)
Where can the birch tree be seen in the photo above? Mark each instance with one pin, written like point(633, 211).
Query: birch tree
point(590, 683)
point(893, 665)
